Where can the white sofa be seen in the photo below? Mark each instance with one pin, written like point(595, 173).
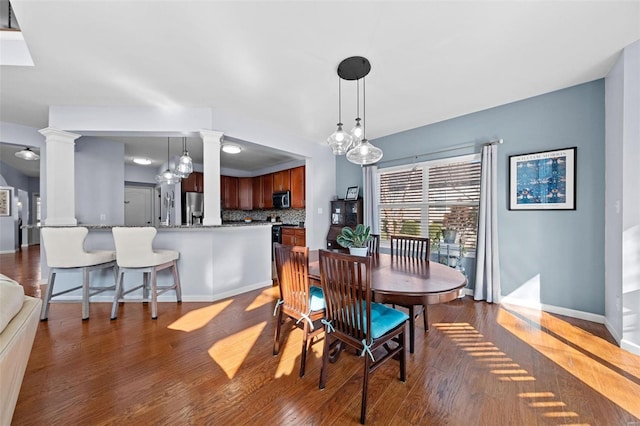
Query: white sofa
point(18, 324)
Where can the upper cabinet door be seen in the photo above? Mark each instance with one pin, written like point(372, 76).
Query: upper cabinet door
point(245, 199)
point(229, 192)
point(282, 180)
point(267, 191)
point(298, 187)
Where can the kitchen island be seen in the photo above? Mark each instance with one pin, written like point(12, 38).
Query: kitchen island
point(215, 261)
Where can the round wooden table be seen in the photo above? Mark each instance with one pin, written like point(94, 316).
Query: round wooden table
point(407, 282)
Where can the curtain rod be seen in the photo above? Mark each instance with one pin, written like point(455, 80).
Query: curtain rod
point(453, 148)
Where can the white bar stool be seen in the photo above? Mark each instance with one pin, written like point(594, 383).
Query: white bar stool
point(134, 253)
point(65, 251)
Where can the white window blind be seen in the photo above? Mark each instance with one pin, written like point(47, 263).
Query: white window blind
point(425, 199)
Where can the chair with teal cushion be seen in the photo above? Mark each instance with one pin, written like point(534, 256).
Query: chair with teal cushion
point(299, 301)
point(354, 320)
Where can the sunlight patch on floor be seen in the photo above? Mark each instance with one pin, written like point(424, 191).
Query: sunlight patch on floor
point(593, 369)
point(231, 351)
point(198, 318)
point(290, 353)
point(268, 296)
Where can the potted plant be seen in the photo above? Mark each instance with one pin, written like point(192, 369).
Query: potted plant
point(355, 239)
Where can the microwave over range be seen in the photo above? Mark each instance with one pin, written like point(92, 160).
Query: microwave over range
point(282, 200)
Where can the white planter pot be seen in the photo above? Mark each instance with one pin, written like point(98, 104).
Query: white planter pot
point(358, 251)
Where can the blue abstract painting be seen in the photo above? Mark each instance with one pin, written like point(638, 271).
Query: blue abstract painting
point(543, 179)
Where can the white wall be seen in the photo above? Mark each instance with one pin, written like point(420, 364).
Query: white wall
point(622, 211)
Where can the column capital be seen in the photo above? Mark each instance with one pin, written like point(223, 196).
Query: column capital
point(211, 135)
point(51, 133)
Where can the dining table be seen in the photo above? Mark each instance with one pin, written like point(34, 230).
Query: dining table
point(405, 281)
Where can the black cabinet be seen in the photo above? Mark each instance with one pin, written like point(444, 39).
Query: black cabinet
point(343, 213)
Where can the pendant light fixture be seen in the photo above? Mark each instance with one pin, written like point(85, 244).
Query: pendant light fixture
point(27, 154)
point(185, 164)
point(364, 153)
point(359, 150)
point(340, 141)
point(168, 176)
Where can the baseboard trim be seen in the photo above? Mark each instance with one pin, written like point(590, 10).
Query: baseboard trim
point(169, 297)
point(612, 331)
point(8, 251)
point(630, 346)
point(588, 316)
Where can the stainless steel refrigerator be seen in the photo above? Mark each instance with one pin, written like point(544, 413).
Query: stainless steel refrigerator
point(192, 208)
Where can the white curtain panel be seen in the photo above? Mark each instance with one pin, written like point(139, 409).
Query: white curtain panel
point(369, 195)
point(487, 259)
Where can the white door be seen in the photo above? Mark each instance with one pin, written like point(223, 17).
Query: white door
point(138, 206)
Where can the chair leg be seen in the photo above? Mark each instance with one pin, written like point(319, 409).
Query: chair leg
point(176, 281)
point(403, 356)
point(303, 355)
point(325, 361)
point(425, 319)
point(365, 385)
point(85, 293)
point(276, 340)
point(44, 313)
point(145, 287)
point(117, 296)
point(412, 325)
point(154, 293)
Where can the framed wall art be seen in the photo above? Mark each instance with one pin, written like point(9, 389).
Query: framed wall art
point(5, 202)
point(543, 180)
point(352, 193)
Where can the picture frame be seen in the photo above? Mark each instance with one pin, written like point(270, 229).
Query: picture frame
point(352, 193)
point(5, 202)
point(543, 180)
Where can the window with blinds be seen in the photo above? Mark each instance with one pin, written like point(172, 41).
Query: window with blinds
point(425, 199)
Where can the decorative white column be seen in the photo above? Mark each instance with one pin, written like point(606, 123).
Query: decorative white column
point(211, 170)
point(61, 194)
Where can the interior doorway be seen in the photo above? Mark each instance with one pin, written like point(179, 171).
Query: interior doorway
point(138, 205)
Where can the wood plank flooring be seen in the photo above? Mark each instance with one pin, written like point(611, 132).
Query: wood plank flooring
point(211, 363)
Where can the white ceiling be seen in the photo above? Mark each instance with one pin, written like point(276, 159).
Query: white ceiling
point(275, 62)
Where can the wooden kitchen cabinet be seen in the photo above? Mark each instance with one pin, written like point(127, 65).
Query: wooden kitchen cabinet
point(298, 187)
point(282, 180)
point(292, 236)
point(245, 190)
point(262, 192)
point(193, 183)
point(229, 192)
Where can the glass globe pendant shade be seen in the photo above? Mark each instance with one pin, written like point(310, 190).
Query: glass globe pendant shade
point(185, 165)
point(168, 177)
point(340, 141)
point(364, 153)
point(357, 131)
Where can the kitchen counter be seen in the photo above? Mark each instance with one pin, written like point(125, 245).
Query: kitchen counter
point(215, 261)
point(165, 227)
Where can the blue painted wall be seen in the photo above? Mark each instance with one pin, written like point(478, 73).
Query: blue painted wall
point(549, 257)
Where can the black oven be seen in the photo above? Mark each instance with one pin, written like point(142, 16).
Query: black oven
point(276, 237)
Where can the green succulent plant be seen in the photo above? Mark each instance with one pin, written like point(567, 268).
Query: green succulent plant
point(358, 237)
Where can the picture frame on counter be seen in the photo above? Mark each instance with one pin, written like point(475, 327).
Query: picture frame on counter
point(352, 193)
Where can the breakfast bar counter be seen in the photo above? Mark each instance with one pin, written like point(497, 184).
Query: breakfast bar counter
point(215, 261)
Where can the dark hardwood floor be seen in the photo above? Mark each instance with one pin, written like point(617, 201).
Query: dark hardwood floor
point(211, 364)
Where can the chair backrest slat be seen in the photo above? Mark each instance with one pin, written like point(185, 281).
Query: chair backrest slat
point(346, 283)
point(374, 244)
point(292, 265)
point(409, 246)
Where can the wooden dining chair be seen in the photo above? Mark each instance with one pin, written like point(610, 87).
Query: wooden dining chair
point(374, 244)
point(412, 248)
point(299, 301)
point(357, 322)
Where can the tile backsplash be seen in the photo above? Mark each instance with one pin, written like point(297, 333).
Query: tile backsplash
point(289, 216)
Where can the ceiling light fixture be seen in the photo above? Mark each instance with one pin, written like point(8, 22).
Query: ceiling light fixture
point(142, 161)
point(185, 164)
point(27, 154)
point(231, 149)
point(168, 176)
point(359, 150)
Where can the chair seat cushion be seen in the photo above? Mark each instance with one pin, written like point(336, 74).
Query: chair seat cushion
point(385, 319)
point(316, 302)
